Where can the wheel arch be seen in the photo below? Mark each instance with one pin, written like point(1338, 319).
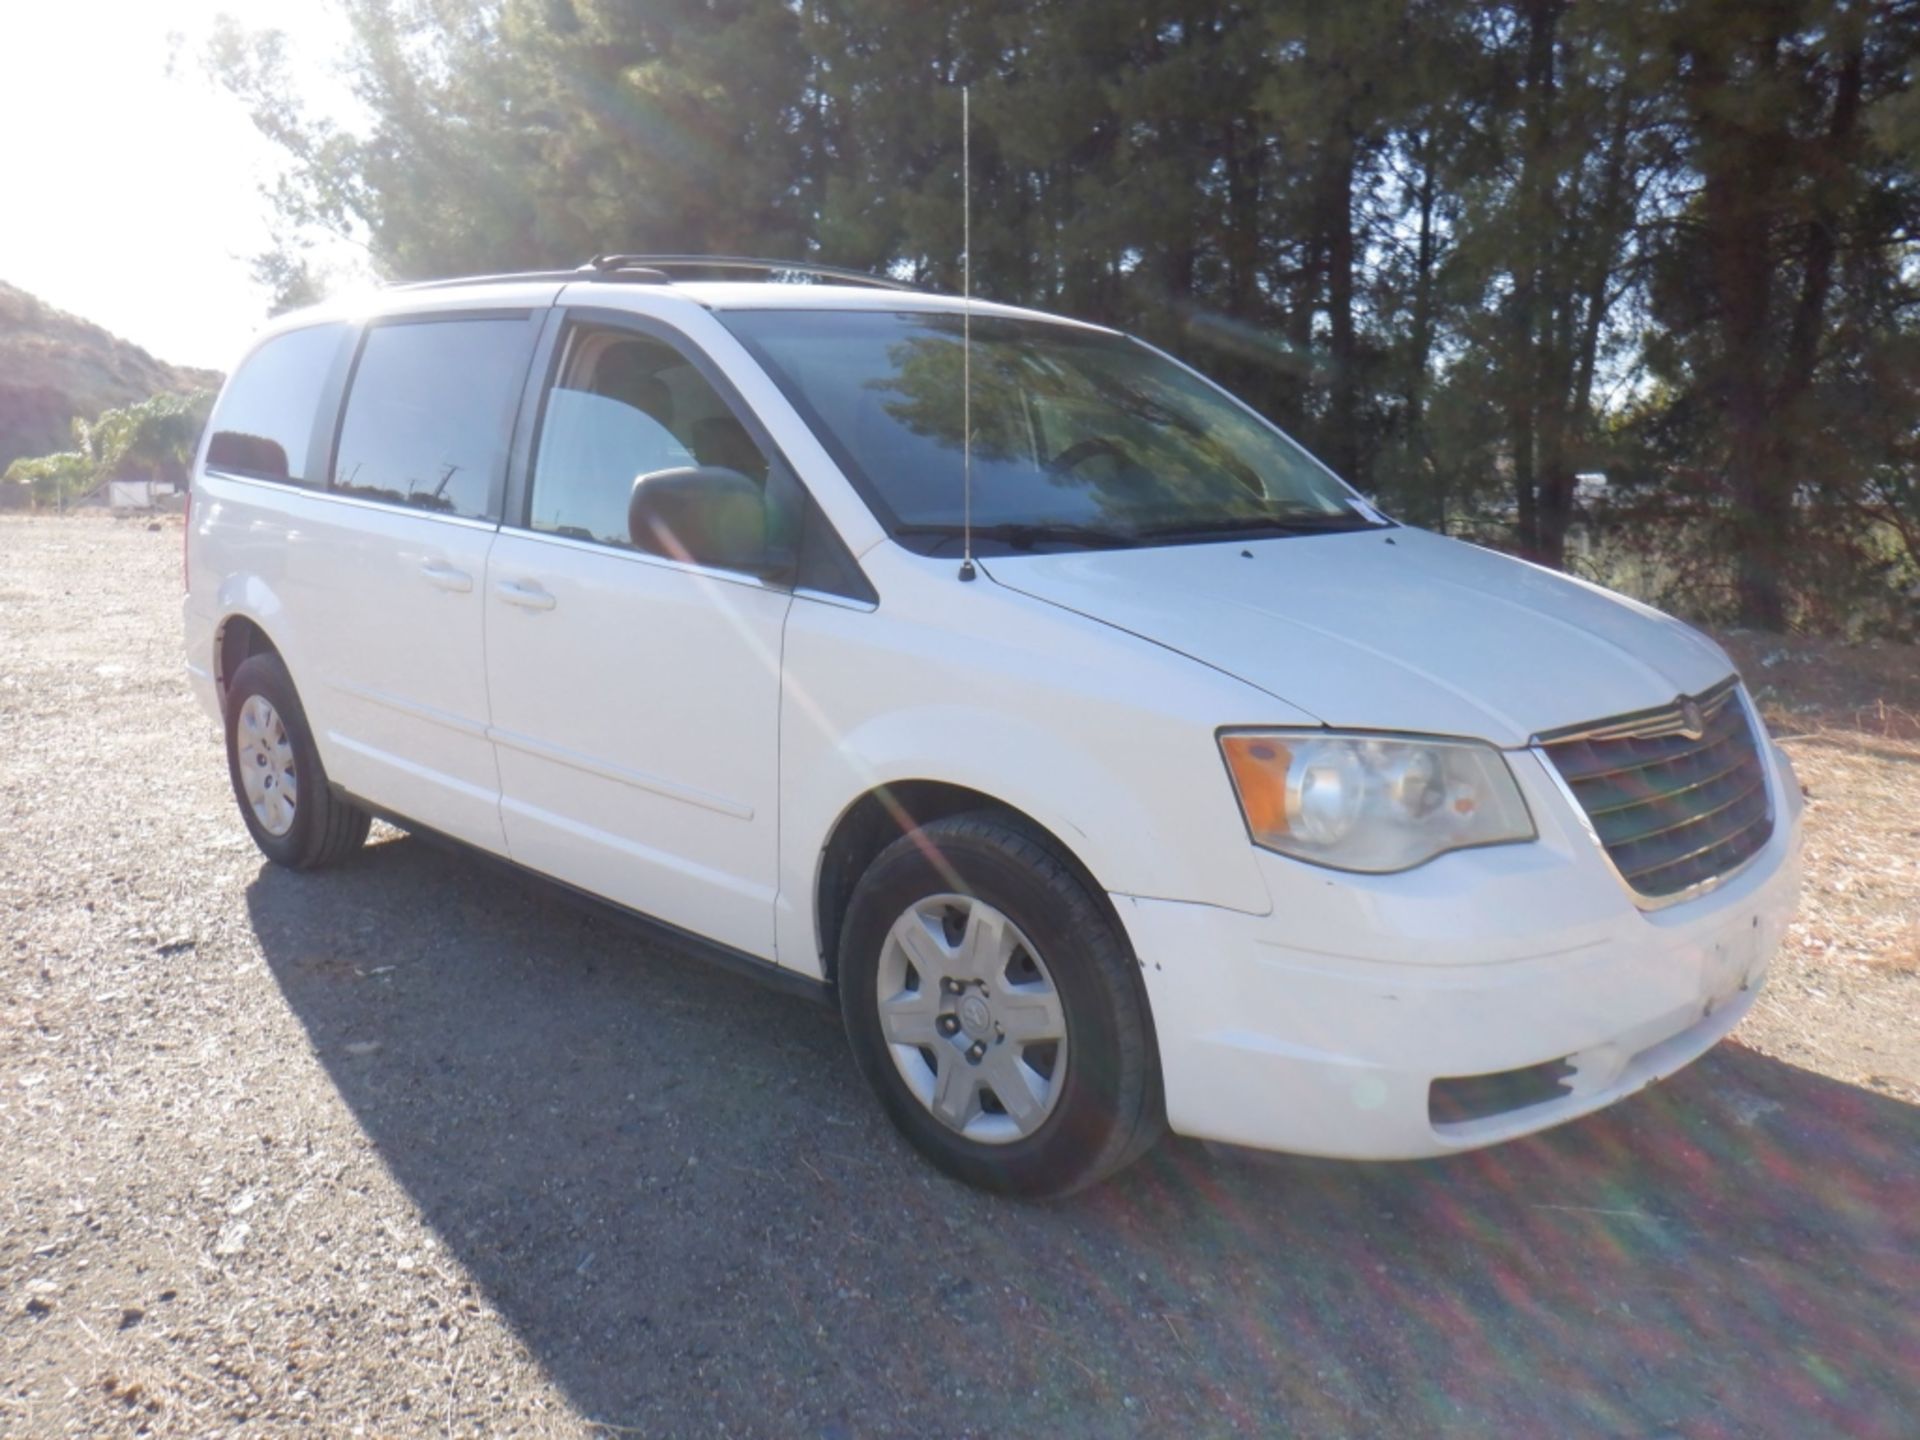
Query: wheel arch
point(249, 620)
point(235, 639)
point(884, 813)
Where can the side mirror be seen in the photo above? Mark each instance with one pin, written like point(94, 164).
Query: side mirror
point(703, 515)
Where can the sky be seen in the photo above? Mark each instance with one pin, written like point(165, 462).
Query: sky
point(132, 195)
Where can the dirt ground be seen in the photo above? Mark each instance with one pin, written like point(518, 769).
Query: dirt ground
point(404, 1149)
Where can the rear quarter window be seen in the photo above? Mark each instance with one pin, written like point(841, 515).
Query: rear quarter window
point(265, 423)
point(430, 413)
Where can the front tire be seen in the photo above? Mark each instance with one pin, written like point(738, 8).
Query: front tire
point(992, 1004)
point(278, 780)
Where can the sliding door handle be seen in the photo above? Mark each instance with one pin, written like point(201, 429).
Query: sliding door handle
point(528, 594)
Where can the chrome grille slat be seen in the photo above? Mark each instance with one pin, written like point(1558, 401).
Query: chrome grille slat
point(1696, 817)
point(1673, 810)
point(1597, 810)
point(1610, 759)
point(1735, 840)
point(1629, 855)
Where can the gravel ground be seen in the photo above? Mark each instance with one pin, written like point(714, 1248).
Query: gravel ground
point(406, 1148)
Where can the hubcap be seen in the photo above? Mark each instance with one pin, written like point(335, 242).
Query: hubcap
point(266, 765)
point(972, 1018)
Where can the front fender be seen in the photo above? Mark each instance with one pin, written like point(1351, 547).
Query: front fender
point(1083, 803)
point(1104, 740)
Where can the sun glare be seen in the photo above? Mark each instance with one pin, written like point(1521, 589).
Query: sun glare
point(138, 183)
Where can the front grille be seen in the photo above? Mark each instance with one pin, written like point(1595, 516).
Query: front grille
point(1675, 803)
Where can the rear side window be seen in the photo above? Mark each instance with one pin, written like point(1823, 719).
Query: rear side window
point(264, 424)
point(430, 413)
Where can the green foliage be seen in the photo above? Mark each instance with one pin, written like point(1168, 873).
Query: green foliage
point(153, 440)
point(1468, 252)
point(54, 479)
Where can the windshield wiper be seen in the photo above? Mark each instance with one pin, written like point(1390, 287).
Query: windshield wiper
point(1309, 522)
point(1025, 536)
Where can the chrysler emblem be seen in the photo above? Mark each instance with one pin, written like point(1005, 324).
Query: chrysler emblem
point(1693, 724)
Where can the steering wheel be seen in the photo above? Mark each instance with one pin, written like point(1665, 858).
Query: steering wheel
point(1081, 451)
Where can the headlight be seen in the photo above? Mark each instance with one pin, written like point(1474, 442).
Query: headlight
point(1364, 802)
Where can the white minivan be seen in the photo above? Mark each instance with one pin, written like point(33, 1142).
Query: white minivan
point(1120, 770)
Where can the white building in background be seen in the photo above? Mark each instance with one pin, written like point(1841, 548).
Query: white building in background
point(137, 494)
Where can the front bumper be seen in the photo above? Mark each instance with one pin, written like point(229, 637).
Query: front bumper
point(1321, 1027)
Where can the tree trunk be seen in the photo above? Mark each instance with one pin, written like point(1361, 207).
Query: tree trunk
point(1526, 494)
point(1304, 300)
point(1542, 524)
point(1822, 237)
point(1553, 517)
point(1420, 345)
point(1337, 225)
point(1241, 243)
point(1420, 348)
point(1743, 268)
point(1740, 168)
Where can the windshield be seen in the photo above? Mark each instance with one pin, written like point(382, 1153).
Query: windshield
point(1081, 438)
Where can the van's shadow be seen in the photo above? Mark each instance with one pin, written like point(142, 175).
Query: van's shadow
point(672, 1184)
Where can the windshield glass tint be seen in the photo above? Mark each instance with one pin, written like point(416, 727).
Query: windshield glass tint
point(1080, 437)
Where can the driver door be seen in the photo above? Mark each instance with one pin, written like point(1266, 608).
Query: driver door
point(636, 698)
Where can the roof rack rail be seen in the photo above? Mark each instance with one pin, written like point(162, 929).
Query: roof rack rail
point(505, 277)
point(654, 268)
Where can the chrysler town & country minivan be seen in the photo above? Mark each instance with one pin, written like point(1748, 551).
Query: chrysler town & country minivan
point(1117, 768)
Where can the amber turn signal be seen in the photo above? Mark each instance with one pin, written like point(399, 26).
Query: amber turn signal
point(1259, 764)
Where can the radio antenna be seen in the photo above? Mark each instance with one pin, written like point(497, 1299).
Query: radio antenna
point(966, 333)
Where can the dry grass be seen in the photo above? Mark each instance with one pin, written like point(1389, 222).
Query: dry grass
point(1845, 992)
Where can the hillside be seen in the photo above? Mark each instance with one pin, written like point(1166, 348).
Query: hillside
point(54, 366)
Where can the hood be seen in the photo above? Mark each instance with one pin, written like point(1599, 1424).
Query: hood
point(1388, 629)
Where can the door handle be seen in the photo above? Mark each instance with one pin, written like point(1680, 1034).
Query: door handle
point(448, 578)
point(527, 594)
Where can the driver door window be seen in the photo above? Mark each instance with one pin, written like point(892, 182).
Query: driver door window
point(626, 408)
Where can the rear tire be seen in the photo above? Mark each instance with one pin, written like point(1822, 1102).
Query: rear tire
point(278, 780)
point(975, 963)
